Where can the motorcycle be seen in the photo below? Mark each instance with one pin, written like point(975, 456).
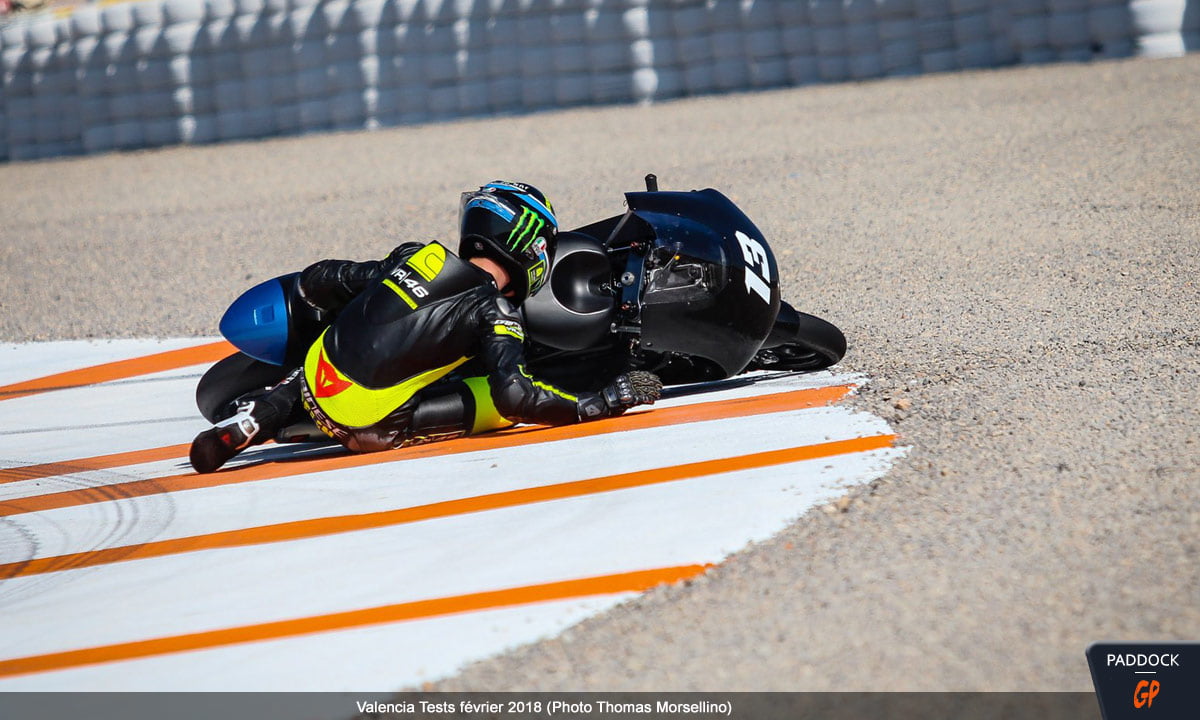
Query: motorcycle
point(681, 284)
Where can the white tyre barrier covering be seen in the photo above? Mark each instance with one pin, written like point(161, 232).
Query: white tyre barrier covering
point(1165, 28)
point(86, 21)
point(127, 75)
point(180, 11)
point(117, 18)
point(1156, 17)
point(197, 129)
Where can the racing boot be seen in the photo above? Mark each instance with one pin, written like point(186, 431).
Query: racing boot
point(258, 417)
point(218, 445)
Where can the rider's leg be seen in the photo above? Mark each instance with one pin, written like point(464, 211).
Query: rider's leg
point(443, 411)
point(455, 409)
point(256, 421)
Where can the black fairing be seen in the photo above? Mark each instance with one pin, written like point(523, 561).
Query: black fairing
point(710, 284)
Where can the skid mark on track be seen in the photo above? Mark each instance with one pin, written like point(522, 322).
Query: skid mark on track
point(100, 462)
point(349, 523)
point(113, 526)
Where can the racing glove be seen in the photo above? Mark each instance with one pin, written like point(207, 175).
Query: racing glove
point(627, 390)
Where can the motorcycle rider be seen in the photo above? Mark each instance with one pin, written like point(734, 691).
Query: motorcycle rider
point(404, 323)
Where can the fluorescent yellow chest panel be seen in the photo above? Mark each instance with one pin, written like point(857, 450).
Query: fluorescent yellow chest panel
point(352, 405)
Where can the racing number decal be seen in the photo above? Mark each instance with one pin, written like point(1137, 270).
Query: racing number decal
point(755, 256)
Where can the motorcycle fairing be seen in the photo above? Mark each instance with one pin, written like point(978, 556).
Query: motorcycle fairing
point(269, 322)
point(257, 322)
point(709, 283)
point(574, 310)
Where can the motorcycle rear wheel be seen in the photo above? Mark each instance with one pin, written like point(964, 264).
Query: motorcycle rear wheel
point(230, 379)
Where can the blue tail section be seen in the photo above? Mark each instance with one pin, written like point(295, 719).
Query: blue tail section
point(257, 322)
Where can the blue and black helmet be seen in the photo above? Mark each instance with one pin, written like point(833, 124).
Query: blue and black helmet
point(514, 225)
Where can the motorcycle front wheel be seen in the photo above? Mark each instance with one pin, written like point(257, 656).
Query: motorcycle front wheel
point(811, 344)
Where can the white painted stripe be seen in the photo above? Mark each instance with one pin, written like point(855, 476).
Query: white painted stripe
point(684, 522)
point(22, 362)
point(439, 478)
point(368, 659)
point(692, 521)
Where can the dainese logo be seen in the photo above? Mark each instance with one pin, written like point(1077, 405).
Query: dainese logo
point(1144, 693)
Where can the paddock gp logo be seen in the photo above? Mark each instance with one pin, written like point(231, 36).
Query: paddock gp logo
point(1152, 682)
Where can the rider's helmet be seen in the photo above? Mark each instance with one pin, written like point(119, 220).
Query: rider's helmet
point(514, 225)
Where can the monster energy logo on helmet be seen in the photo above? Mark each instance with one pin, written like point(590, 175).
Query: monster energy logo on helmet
point(525, 231)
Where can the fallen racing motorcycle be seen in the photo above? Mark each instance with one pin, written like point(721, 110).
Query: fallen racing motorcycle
point(681, 284)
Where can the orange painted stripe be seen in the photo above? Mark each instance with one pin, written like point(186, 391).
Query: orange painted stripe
point(100, 462)
point(528, 435)
point(316, 527)
point(564, 590)
point(120, 369)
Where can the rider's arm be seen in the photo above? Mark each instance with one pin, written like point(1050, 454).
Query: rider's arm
point(329, 285)
point(521, 398)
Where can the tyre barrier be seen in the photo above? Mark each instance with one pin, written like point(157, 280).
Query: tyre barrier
point(128, 75)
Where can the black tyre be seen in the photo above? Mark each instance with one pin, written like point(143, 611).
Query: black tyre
point(812, 344)
point(231, 378)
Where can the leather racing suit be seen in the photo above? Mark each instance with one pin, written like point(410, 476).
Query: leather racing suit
point(404, 323)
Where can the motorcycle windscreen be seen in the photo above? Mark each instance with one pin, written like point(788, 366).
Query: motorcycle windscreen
point(257, 322)
point(714, 290)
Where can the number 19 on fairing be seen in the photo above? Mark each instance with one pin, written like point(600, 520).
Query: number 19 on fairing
point(755, 256)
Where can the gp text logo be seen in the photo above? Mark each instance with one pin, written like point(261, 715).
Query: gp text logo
point(1145, 692)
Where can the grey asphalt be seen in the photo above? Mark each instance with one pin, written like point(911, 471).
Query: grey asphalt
point(1012, 254)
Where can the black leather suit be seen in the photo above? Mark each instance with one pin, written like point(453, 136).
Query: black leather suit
point(381, 375)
